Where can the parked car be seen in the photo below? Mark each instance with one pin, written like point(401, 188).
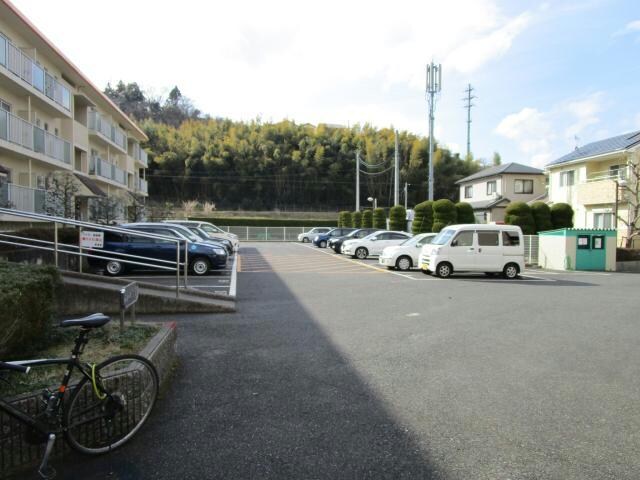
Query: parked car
point(322, 239)
point(202, 235)
point(202, 257)
point(336, 242)
point(213, 231)
point(407, 254)
point(373, 244)
point(475, 248)
point(307, 237)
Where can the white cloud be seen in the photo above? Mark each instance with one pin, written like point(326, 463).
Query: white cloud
point(586, 113)
point(532, 131)
point(629, 28)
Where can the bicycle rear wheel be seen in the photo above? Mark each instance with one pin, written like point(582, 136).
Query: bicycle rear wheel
point(98, 422)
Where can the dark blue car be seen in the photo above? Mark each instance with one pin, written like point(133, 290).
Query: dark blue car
point(322, 239)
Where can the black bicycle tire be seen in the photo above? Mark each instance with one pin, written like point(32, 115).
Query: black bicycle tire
point(69, 435)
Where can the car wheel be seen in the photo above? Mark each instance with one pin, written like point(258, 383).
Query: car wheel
point(323, 244)
point(444, 270)
point(305, 240)
point(362, 253)
point(114, 268)
point(200, 266)
point(403, 263)
point(511, 271)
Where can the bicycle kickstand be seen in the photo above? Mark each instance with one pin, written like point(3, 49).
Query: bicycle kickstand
point(45, 471)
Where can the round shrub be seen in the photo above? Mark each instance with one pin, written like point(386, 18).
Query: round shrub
point(422, 218)
point(445, 213)
point(398, 218)
point(465, 213)
point(357, 219)
point(379, 218)
point(519, 213)
point(367, 219)
point(562, 215)
point(437, 226)
point(345, 219)
point(541, 216)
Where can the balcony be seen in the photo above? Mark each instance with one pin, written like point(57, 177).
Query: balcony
point(22, 198)
point(20, 132)
point(23, 66)
point(106, 170)
point(107, 130)
point(138, 153)
point(143, 186)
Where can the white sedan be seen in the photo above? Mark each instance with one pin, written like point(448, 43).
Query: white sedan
point(373, 244)
point(405, 255)
point(307, 237)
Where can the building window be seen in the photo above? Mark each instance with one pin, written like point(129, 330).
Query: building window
point(602, 220)
point(567, 179)
point(468, 191)
point(618, 171)
point(491, 187)
point(6, 106)
point(523, 186)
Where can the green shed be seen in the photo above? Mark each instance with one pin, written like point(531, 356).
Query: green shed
point(578, 249)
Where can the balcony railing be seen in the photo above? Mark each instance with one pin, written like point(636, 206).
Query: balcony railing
point(23, 66)
point(107, 129)
point(16, 130)
point(143, 186)
point(610, 174)
point(139, 154)
point(104, 169)
point(22, 198)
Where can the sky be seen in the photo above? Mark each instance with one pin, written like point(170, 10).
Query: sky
point(547, 75)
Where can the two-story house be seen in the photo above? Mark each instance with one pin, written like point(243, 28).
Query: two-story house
point(490, 190)
point(53, 119)
point(592, 180)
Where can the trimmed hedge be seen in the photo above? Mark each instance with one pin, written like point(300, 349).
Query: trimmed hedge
point(345, 219)
point(541, 216)
point(465, 213)
point(561, 215)
point(379, 218)
point(422, 218)
point(357, 219)
point(27, 298)
point(444, 214)
point(266, 222)
point(519, 213)
point(367, 219)
point(398, 218)
point(627, 255)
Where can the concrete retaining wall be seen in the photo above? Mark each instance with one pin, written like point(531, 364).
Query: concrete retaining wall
point(633, 266)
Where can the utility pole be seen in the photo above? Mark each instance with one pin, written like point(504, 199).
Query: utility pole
point(396, 186)
point(468, 106)
point(434, 85)
point(357, 180)
point(405, 195)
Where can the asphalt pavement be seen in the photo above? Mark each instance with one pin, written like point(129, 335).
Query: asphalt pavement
point(334, 368)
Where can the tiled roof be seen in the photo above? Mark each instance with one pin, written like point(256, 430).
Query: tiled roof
point(511, 167)
point(608, 145)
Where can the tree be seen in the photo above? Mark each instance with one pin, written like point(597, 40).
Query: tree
point(631, 195)
point(60, 196)
point(398, 218)
point(444, 214)
point(541, 216)
point(345, 219)
point(497, 159)
point(422, 218)
point(465, 213)
point(105, 210)
point(137, 211)
point(379, 218)
point(367, 219)
point(357, 219)
point(562, 215)
point(519, 213)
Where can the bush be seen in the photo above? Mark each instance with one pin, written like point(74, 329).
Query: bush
point(357, 219)
point(519, 213)
point(562, 215)
point(265, 222)
point(444, 214)
point(379, 218)
point(345, 219)
point(422, 218)
point(627, 255)
point(465, 213)
point(27, 295)
point(398, 218)
point(367, 219)
point(541, 216)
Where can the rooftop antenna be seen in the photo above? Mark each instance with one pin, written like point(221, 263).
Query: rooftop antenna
point(577, 139)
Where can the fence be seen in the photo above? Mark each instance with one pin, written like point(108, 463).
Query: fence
point(531, 249)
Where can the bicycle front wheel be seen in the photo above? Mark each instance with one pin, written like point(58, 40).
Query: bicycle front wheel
point(101, 417)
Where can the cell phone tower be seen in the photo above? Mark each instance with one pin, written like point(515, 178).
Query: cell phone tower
point(434, 86)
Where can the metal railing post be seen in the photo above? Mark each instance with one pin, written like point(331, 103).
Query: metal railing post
point(266, 234)
point(55, 243)
point(80, 249)
point(177, 269)
point(247, 234)
point(284, 233)
point(186, 263)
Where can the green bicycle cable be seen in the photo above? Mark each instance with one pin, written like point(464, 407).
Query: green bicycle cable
point(100, 396)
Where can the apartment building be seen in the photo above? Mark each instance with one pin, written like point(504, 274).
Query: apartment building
point(490, 190)
point(53, 119)
point(593, 180)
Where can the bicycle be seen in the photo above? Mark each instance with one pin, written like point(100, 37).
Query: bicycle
point(99, 413)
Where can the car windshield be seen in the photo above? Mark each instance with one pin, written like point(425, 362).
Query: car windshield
point(185, 232)
point(211, 229)
point(410, 242)
point(197, 233)
point(443, 237)
point(371, 235)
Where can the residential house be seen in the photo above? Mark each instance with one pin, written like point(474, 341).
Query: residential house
point(490, 190)
point(53, 119)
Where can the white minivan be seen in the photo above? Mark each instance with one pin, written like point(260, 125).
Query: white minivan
point(475, 248)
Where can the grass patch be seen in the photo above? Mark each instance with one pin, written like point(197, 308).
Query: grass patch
point(103, 343)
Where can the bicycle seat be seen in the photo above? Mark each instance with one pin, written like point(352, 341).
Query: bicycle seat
point(91, 321)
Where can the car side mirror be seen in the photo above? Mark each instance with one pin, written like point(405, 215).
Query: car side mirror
point(454, 243)
point(374, 239)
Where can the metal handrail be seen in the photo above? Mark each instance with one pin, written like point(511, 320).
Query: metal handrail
point(105, 228)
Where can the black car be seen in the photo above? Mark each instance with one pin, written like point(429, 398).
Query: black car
point(336, 242)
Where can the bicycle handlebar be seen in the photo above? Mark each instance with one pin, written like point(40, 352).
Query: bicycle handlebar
point(14, 366)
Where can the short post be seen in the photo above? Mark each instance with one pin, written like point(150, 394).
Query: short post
point(55, 243)
point(186, 263)
point(284, 233)
point(266, 233)
point(247, 234)
point(178, 269)
point(80, 249)
point(128, 299)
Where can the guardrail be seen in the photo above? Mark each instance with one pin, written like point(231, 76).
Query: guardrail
point(84, 252)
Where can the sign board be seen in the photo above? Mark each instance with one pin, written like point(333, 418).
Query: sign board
point(92, 240)
point(128, 295)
